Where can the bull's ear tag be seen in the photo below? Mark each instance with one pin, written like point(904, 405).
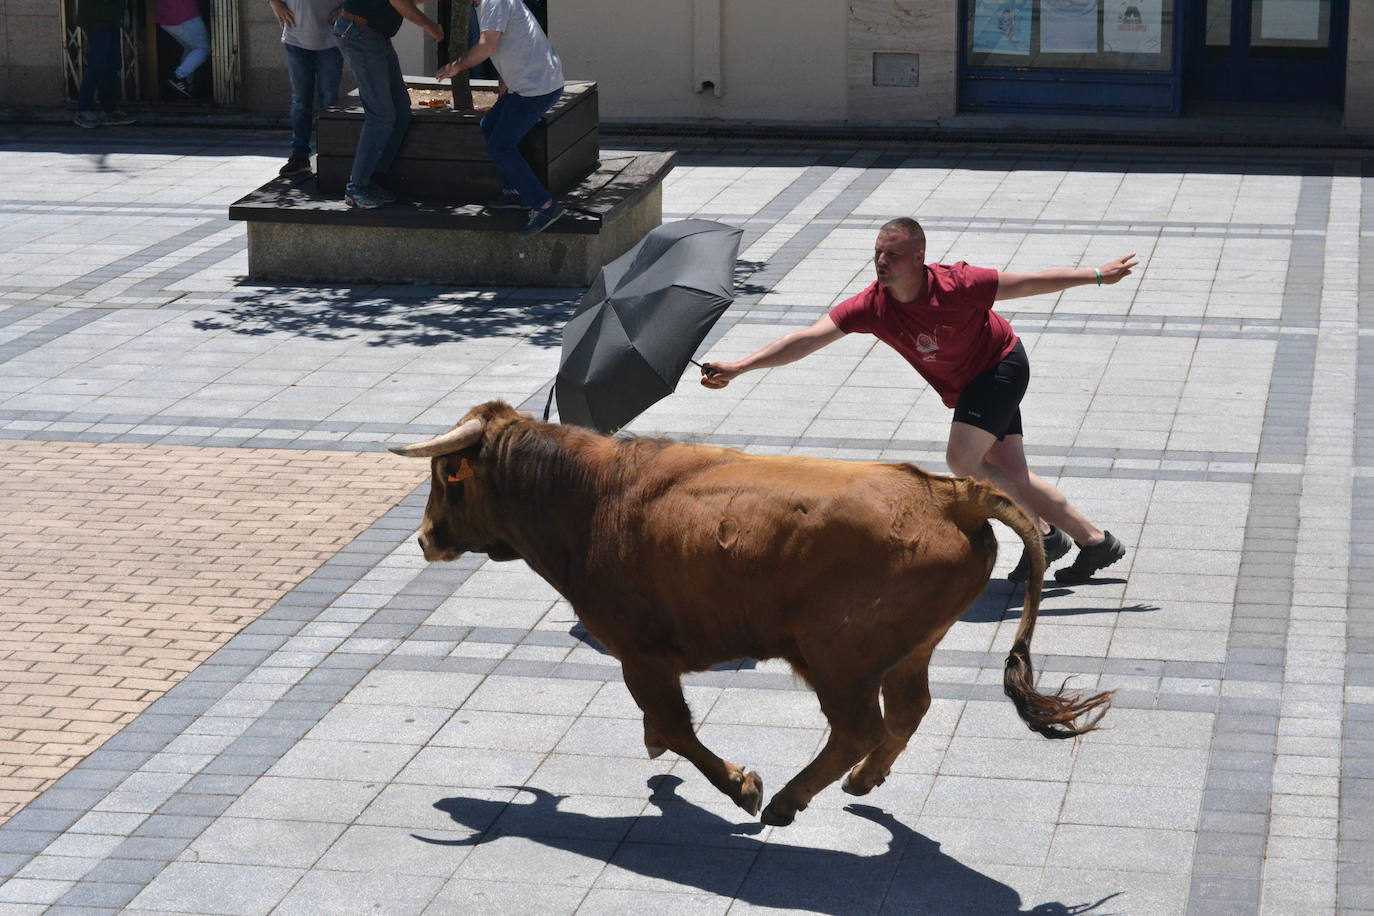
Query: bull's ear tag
point(464, 472)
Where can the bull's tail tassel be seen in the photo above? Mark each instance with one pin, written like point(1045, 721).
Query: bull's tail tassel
point(1052, 715)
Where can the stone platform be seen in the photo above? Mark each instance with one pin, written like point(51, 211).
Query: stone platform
point(444, 156)
point(296, 233)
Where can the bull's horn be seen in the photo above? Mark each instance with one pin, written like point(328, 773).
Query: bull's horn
point(455, 440)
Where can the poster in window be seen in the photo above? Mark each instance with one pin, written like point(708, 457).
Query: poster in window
point(1132, 26)
point(1002, 27)
point(1290, 20)
point(1068, 26)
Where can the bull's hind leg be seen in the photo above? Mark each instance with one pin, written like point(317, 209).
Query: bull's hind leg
point(906, 698)
point(856, 727)
point(657, 689)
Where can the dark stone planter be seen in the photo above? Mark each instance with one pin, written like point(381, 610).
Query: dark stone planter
point(444, 157)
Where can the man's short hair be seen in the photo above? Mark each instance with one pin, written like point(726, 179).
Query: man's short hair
point(909, 226)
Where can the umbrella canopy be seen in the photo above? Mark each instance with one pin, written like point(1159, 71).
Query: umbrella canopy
point(642, 319)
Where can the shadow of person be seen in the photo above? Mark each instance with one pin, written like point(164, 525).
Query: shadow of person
point(1002, 600)
point(690, 846)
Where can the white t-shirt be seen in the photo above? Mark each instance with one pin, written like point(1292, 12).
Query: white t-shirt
point(312, 30)
point(524, 58)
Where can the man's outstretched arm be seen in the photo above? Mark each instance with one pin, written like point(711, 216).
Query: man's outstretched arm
point(1014, 286)
point(784, 350)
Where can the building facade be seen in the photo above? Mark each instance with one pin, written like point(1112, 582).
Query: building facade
point(812, 61)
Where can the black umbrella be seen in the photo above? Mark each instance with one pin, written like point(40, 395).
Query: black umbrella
point(642, 319)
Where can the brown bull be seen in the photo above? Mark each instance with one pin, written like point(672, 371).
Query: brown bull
point(679, 557)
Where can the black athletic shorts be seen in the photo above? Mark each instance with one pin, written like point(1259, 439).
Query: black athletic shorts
point(992, 401)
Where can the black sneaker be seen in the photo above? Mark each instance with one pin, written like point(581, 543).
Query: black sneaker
point(1057, 543)
point(1090, 560)
point(542, 219)
point(508, 199)
point(182, 86)
point(298, 164)
point(117, 118)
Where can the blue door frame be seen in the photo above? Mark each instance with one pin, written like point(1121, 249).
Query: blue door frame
point(1243, 72)
point(1237, 71)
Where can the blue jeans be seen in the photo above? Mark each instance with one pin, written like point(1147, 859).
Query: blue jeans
point(102, 70)
point(315, 77)
point(194, 39)
point(504, 127)
point(386, 103)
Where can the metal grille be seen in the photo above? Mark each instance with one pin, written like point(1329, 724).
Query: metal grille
point(74, 56)
point(224, 50)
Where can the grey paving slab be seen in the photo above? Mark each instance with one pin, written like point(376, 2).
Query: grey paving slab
point(446, 739)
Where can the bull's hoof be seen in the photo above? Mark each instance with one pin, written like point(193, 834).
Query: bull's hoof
point(655, 750)
point(858, 787)
point(774, 816)
point(749, 794)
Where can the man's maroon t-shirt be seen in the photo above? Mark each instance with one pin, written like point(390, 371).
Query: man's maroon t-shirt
point(950, 336)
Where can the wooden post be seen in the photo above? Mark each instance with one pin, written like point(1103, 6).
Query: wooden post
point(459, 12)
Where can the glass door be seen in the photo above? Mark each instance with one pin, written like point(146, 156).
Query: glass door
point(1267, 50)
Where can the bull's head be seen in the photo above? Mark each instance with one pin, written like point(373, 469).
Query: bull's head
point(457, 518)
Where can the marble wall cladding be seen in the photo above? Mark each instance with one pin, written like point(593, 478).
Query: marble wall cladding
point(930, 30)
point(1359, 68)
point(266, 87)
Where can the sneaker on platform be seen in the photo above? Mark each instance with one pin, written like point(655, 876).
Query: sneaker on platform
point(363, 199)
point(181, 85)
point(87, 119)
point(542, 219)
point(298, 164)
point(117, 118)
point(508, 199)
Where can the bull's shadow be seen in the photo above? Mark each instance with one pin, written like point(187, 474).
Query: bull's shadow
point(690, 846)
point(578, 631)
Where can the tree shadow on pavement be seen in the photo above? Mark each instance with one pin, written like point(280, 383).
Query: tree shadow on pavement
point(692, 847)
point(386, 320)
point(393, 315)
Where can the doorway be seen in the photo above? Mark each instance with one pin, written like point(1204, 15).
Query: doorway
point(150, 54)
point(1266, 51)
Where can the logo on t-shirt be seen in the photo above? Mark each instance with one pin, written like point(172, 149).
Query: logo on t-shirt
point(927, 345)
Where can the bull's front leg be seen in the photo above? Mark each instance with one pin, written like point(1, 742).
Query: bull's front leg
point(657, 688)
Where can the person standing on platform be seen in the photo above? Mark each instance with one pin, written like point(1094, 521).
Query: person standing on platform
point(314, 64)
point(364, 29)
point(531, 82)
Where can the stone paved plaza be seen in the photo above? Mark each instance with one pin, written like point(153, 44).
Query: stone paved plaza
point(230, 684)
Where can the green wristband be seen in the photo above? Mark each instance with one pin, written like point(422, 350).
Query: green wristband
point(1098, 271)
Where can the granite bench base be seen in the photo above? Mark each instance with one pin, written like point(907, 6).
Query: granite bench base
point(297, 235)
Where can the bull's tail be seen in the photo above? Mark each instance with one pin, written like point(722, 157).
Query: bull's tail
point(1052, 715)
